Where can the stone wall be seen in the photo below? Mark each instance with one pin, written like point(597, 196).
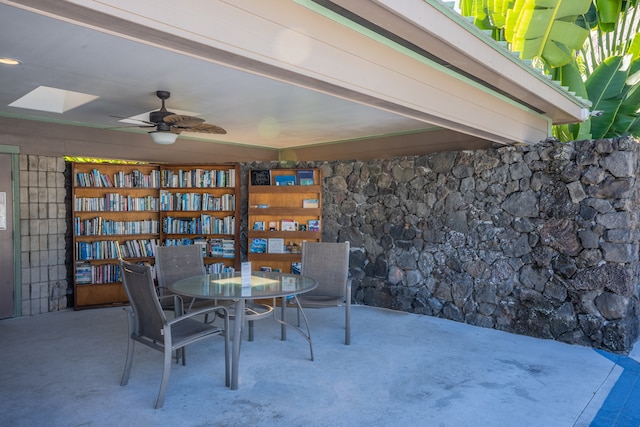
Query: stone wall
point(540, 241)
point(42, 234)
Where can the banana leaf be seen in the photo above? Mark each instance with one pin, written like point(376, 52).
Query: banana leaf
point(563, 133)
point(606, 87)
point(497, 11)
point(634, 46)
point(589, 20)
point(478, 10)
point(627, 115)
point(608, 13)
point(546, 29)
point(569, 75)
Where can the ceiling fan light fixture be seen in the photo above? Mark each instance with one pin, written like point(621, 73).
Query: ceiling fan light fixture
point(163, 137)
point(9, 61)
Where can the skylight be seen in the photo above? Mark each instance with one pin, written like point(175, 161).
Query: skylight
point(52, 100)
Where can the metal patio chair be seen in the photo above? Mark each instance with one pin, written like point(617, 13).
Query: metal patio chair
point(173, 263)
point(328, 264)
point(149, 325)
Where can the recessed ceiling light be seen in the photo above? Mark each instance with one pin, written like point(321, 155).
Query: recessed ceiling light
point(9, 61)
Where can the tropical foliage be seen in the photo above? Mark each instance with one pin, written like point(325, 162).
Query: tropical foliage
point(590, 46)
point(98, 160)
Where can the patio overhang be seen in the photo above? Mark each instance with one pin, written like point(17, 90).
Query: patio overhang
point(415, 58)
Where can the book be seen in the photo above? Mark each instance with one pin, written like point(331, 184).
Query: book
point(285, 180)
point(273, 226)
point(296, 267)
point(310, 203)
point(275, 246)
point(305, 177)
point(288, 225)
point(313, 225)
point(258, 246)
point(202, 242)
point(260, 177)
point(258, 225)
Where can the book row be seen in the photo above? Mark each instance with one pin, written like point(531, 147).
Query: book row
point(111, 249)
point(287, 225)
point(198, 178)
point(114, 202)
point(100, 226)
point(134, 179)
point(296, 268)
point(267, 177)
point(87, 273)
point(273, 246)
point(213, 248)
point(196, 202)
point(205, 224)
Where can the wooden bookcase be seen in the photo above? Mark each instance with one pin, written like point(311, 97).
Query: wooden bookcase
point(200, 204)
point(117, 211)
point(282, 214)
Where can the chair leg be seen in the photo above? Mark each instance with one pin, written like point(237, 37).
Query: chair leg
point(347, 314)
point(166, 371)
point(347, 323)
point(131, 320)
point(227, 360)
point(250, 330)
point(127, 363)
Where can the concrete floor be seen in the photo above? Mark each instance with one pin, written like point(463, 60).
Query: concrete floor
point(63, 369)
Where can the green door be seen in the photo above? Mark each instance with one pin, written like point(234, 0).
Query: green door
point(6, 239)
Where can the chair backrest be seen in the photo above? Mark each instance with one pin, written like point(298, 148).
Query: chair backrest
point(177, 262)
point(328, 264)
point(138, 282)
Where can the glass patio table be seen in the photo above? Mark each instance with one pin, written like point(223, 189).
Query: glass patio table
point(263, 285)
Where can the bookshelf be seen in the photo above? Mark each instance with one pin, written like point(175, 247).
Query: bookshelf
point(115, 210)
point(126, 210)
point(200, 204)
point(285, 209)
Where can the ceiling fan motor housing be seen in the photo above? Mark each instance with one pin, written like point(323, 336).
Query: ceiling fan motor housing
point(157, 117)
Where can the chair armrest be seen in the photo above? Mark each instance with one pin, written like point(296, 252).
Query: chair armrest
point(198, 312)
point(178, 303)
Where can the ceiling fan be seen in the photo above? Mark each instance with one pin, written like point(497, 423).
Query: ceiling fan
point(169, 125)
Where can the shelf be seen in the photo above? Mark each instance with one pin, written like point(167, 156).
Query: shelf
point(188, 213)
point(84, 237)
point(301, 235)
point(283, 202)
point(100, 295)
point(144, 223)
point(287, 212)
point(282, 189)
point(266, 257)
point(199, 235)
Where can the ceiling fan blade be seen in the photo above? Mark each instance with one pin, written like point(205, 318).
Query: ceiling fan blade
point(206, 128)
point(127, 127)
point(182, 120)
point(136, 120)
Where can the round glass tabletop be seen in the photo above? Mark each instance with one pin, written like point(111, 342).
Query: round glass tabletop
point(227, 286)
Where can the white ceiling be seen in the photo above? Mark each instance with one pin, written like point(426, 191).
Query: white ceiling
point(124, 75)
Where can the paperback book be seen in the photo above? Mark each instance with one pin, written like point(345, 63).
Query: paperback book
point(305, 177)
